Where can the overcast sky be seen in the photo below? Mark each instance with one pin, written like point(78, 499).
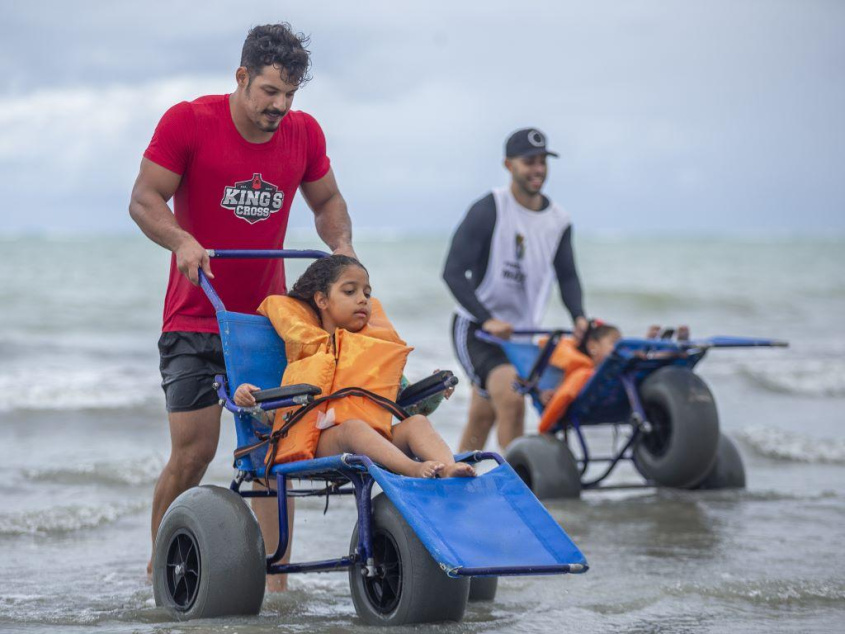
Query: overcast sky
point(705, 117)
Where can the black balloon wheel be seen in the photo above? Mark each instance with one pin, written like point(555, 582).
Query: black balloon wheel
point(385, 589)
point(183, 570)
point(657, 440)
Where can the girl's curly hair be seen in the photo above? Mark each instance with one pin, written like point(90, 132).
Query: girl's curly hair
point(319, 277)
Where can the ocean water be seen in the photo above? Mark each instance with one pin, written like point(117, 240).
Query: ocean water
point(84, 436)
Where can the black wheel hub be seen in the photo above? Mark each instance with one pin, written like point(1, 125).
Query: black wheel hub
point(183, 570)
point(385, 589)
point(657, 440)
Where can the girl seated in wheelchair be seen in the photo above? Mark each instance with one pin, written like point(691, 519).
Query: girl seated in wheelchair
point(336, 336)
point(579, 361)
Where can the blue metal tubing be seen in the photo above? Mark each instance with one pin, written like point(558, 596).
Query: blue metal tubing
point(628, 382)
point(590, 484)
point(288, 254)
point(282, 503)
point(350, 466)
point(583, 442)
point(229, 404)
point(483, 335)
point(478, 456)
point(266, 254)
point(343, 464)
point(329, 565)
point(363, 497)
point(506, 571)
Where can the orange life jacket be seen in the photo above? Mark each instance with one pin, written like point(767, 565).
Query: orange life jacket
point(577, 368)
point(372, 358)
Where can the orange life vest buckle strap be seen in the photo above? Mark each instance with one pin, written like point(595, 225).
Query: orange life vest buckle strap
point(294, 417)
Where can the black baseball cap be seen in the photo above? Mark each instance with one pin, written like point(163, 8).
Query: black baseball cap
point(527, 142)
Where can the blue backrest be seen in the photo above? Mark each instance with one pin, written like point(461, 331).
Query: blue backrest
point(523, 355)
point(254, 353)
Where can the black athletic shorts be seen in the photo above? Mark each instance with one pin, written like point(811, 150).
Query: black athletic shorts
point(478, 358)
point(189, 361)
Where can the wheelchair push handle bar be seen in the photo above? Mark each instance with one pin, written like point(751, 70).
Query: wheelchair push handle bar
point(266, 254)
point(483, 335)
point(251, 254)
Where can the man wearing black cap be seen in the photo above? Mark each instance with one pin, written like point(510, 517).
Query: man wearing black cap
point(500, 267)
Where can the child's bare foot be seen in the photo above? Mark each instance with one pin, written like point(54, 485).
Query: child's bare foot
point(458, 470)
point(427, 469)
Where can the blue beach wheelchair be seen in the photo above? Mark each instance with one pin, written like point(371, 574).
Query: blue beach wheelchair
point(420, 549)
point(647, 392)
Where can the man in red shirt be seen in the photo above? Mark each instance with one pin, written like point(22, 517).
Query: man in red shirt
point(232, 164)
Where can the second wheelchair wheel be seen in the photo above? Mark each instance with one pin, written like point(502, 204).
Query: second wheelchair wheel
point(546, 465)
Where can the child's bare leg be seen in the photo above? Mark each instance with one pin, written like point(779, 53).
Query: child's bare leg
point(416, 436)
point(356, 436)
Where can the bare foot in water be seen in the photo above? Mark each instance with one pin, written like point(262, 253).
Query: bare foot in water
point(427, 469)
point(458, 470)
point(150, 570)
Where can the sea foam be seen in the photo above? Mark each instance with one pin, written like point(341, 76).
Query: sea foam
point(784, 445)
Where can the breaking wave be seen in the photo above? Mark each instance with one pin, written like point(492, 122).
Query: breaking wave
point(103, 387)
point(805, 377)
point(783, 445)
point(138, 471)
point(66, 519)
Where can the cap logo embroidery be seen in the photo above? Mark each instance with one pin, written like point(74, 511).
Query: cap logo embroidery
point(536, 139)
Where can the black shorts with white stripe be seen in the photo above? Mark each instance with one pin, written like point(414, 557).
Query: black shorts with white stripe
point(478, 358)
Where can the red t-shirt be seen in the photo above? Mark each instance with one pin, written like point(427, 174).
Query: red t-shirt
point(233, 195)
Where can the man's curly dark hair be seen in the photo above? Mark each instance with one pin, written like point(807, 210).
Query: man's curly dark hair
point(319, 277)
point(278, 46)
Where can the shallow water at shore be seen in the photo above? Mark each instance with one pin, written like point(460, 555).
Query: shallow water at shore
point(83, 429)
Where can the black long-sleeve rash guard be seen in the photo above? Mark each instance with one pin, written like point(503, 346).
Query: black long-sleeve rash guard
point(469, 253)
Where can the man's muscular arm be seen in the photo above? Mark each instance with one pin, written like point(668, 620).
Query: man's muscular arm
point(154, 186)
point(331, 217)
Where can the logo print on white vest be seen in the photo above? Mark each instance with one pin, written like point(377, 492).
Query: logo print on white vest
point(520, 246)
point(253, 200)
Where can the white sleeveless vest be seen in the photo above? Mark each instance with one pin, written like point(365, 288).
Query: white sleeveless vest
point(520, 270)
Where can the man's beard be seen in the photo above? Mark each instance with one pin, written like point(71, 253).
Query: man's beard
point(272, 126)
point(526, 187)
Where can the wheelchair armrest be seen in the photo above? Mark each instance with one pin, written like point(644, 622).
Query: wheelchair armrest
point(431, 385)
point(286, 391)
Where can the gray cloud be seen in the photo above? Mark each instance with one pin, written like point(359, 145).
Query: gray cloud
point(669, 116)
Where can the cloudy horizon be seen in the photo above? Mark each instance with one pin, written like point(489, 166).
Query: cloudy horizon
point(670, 117)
